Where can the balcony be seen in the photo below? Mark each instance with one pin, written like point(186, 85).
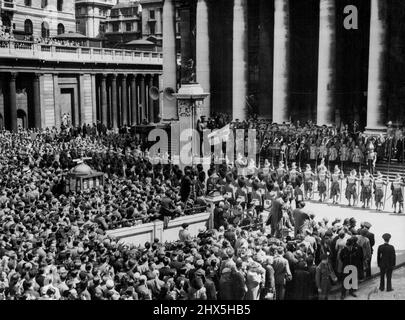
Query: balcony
point(58, 53)
point(7, 5)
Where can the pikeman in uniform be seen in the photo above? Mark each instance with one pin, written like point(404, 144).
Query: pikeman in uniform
point(379, 184)
point(351, 191)
point(241, 194)
point(366, 184)
point(308, 182)
point(371, 157)
point(397, 196)
point(281, 172)
point(335, 187)
point(293, 174)
point(322, 180)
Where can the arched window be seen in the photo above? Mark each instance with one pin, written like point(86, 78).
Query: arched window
point(28, 3)
point(28, 28)
point(45, 30)
point(60, 5)
point(61, 28)
point(44, 3)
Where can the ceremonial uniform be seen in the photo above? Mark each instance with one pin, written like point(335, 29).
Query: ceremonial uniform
point(312, 152)
point(322, 182)
point(335, 187)
point(396, 188)
point(351, 190)
point(378, 190)
point(308, 180)
point(366, 188)
point(344, 153)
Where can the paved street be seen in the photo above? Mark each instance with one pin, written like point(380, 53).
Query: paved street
point(369, 290)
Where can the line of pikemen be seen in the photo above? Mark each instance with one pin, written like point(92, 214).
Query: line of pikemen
point(257, 186)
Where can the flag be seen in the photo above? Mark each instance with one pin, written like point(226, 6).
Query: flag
point(220, 135)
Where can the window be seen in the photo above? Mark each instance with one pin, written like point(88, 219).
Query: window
point(128, 26)
point(102, 27)
point(45, 30)
point(78, 26)
point(82, 10)
point(60, 5)
point(116, 27)
point(44, 3)
point(152, 14)
point(28, 28)
point(152, 28)
point(28, 3)
point(61, 28)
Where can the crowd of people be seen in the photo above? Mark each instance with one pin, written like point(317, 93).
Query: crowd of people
point(264, 244)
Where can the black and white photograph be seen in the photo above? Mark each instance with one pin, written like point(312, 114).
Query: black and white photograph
point(213, 152)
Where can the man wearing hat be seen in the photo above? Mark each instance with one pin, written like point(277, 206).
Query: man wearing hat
point(184, 234)
point(308, 182)
point(378, 190)
point(324, 276)
point(386, 261)
point(335, 187)
point(397, 196)
point(351, 191)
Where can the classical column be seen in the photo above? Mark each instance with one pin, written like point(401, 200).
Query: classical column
point(376, 99)
point(13, 101)
point(203, 52)
point(134, 101)
point(150, 101)
point(124, 100)
point(104, 110)
point(265, 59)
point(240, 59)
point(326, 63)
point(37, 101)
point(142, 97)
point(114, 108)
point(169, 58)
point(281, 60)
point(156, 103)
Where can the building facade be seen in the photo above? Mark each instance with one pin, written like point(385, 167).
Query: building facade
point(293, 60)
point(41, 83)
point(38, 18)
point(91, 17)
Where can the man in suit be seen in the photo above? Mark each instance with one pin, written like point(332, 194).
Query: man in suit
point(282, 273)
point(386, 261)
point(276, 216)
point(370, 236)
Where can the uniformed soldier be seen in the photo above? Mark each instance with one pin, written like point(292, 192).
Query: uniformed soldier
point(281, 172)
point(397, 196)
point(336, 177)
point(351, 190)
point(371, 157)
point(293, 174)
point(308, 182)
point(366, 186)
point(322, 180)
point(378, 190)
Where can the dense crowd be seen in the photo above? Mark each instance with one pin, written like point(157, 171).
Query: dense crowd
point(54, 245)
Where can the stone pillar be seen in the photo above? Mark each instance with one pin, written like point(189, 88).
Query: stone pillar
point(265, 60)
point(142, 97)
point(104, 106)
point(37, 101)
point(114, 108)
point(150, 101)
point(281, 60)
point(124, 100)
point(169, 58)
point(326, 63)
point(240, 59)
point(156, 103)
point(203, 52)
point(13, 101)
point(134, 101)
point(376, 99)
